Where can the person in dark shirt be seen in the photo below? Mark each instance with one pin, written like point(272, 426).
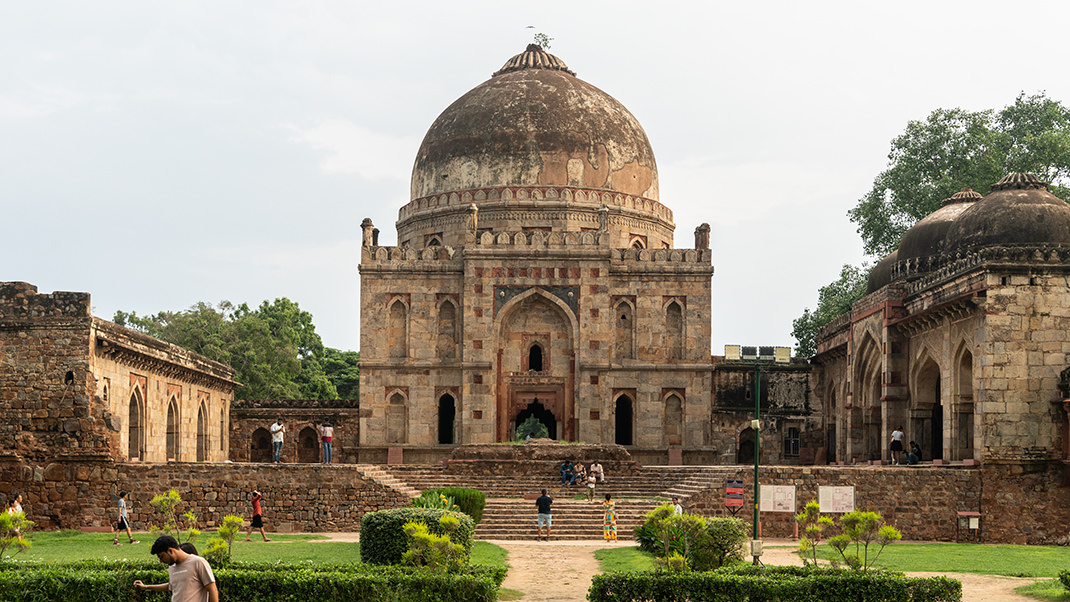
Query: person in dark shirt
point(567, 476)
point(543, 503)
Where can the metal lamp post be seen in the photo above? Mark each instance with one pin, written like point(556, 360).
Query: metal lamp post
point(756, 356)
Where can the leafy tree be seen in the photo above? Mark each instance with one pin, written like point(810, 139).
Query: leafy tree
point(833, 300)
point(532, 426)
point(13, 525)
point(274, 349)
point(955, 149)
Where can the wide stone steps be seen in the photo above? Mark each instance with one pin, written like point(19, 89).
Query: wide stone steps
point(383, 477)
point(643, 485)
point(516, 519)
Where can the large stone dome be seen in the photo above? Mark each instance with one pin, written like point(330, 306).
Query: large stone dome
point(534, 123)
point(926, 238)
point(1018, 211)
point(535, 148)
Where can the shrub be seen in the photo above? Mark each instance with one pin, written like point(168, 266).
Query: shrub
point(173, 523)
point(470, 501)
point(706, 543)
point(646, 535)
point(723, 544)
point(12, 529)
point(761, 583)
point(813, 525)
point(863, 529)
point(437, 552)
point(383, 539)
point(113, 582)
point(1064, 578)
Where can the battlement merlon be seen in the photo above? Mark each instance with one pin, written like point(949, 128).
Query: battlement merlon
point(21, 303)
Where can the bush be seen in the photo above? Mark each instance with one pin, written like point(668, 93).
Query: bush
point(1064, 578)
point(719, 543)
point(646, 535)
point(806, 585)
point(470, 501)
point(383, 539)
point(253, 582)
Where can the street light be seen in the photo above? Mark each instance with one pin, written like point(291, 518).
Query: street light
point(757, 356)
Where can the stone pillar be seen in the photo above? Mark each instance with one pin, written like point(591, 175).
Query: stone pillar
point(702, 237)
point(603, 218)
point(375, 237)
point(473, 219)
point(366, 228)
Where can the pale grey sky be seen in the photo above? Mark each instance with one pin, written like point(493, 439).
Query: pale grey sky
point(156, 154)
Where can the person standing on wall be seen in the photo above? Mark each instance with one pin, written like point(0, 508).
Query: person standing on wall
point(258, 516)
point(189, 577)
point(326, 435)
point(277, 430)
point(124, 520)
point(897, 445)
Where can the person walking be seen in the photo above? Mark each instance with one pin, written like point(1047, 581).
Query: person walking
point(277, 430)
point(543, 503)
point(124, 520)
point(258, 517)
point(897, 445)
point(326, 435)
point(609, 520)
point(189, 577)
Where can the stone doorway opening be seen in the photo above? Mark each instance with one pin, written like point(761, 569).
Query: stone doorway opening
point(308, 446)
point(539, 412)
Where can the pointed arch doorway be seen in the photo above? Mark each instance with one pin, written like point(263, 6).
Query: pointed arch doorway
point(537, 410)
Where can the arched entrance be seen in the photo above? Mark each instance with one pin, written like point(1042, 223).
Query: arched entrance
point(623, 421)
point(447, 412)
point(745, 448)
point(260, 446)
point(539, 412)
point(308, 445)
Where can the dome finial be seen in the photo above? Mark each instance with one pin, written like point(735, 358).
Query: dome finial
point(1020, 181)
point(534, 57)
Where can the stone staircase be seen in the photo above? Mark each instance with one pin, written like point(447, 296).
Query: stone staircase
point(510, 510)
point(515, 519)
point(384, 478)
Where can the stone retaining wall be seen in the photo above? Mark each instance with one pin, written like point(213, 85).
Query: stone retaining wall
point(297, 498)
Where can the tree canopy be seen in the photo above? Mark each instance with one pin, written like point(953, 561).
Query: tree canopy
point(833, 300)
point(274, 349)
point(933, 159)
point(955, 149)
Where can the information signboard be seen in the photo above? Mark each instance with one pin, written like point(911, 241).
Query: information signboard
point(778, 498)
point(836, 500)
point(733, 493)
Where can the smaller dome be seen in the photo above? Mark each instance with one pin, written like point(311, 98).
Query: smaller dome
point(881, 274)
point(926, 238)
point(1019, 210)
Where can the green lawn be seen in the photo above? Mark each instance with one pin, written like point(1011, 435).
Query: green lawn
point(69, 546)
point(1013, 561)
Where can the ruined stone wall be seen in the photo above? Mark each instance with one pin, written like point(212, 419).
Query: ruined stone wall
point(920, 502)
point(309, 498)
point(46, 385)
point(250, 437)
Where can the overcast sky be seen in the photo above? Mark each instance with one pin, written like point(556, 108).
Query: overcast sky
point(157, 154)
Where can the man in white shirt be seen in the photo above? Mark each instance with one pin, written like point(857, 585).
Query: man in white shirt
point(277, 430)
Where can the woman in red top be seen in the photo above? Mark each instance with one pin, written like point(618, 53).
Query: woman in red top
point(258, 516)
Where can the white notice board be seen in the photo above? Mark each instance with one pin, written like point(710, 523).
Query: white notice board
point(836, 500)
point(778, 498)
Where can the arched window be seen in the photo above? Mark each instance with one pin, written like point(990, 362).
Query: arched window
point(308, 445)
point(434, 242)
point(624, 333)
point(674, 331)
point(202, 434)
point(136, 427)
point(396, 420)
point(398, 332)
point(535, 358)
point(447, 413)
point(674, 420)
point(172, 429)
point(446, 346)
point(260, 446)
point(623, 421)
point(222, 426)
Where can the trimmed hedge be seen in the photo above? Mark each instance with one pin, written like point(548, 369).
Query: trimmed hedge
point(268, 582)
point(470, 501)
point(383, 541)
point(766, 585)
